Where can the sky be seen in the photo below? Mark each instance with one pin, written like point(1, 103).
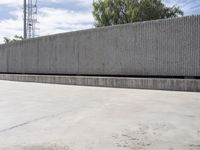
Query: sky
point(57, 16)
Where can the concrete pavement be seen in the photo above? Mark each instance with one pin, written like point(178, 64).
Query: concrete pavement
point(37, 116)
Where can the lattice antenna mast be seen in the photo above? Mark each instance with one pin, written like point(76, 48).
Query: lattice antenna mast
point(30, 18)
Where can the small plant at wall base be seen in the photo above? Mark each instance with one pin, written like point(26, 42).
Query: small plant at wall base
point(16, 38)
point(112, 12)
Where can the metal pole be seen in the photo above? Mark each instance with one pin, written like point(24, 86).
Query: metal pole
point(25, 34)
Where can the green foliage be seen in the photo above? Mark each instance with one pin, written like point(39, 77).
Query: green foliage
point(16, 38)
point(112, 12)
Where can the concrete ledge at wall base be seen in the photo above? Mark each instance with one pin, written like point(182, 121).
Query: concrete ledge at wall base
point(171, 84)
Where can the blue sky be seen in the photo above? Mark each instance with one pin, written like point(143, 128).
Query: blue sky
point(56, 16)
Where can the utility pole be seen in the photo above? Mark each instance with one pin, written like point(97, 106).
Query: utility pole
point(25, 33)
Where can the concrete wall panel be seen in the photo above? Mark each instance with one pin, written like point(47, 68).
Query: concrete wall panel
point(168, 47)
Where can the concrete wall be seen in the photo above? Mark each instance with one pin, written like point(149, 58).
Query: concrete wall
point(116, 82)
point(158, 48)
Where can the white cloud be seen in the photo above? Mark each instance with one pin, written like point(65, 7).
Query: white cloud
point(11, 27)
point(11, 2)
point(188, 6)
point(82, 2)
point(58, 20)
point(77, 2)
point(19, 2)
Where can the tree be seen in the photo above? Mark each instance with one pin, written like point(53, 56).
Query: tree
point(16, 38)
point(112, 12)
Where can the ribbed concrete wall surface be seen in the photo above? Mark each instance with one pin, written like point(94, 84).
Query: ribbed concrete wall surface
point(158, 48)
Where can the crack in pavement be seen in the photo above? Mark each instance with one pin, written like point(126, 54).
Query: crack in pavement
point(31, 121)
